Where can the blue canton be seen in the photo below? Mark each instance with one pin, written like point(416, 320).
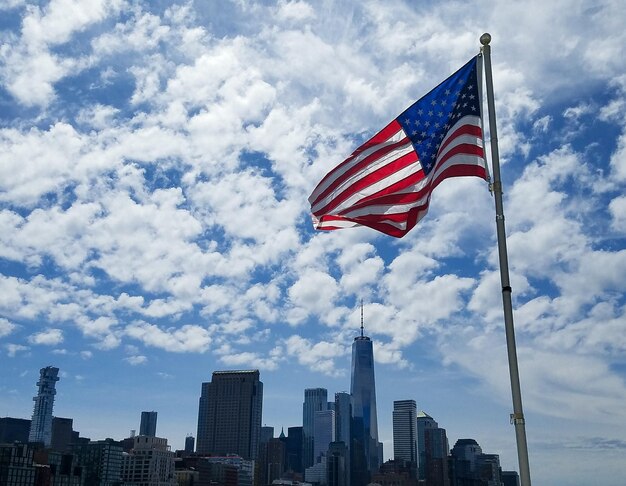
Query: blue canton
point(428, 120)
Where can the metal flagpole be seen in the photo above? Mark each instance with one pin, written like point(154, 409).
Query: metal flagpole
point(517, 417)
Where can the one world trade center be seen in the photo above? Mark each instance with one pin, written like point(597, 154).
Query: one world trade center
point(365, 450)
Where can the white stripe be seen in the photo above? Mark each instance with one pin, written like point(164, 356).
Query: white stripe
point(461, 139)
point(336, 224)
point(324, 184)
point(367, 170)
point(471, 120)
point(382, 209)
point(460, 159)
point(377, 186)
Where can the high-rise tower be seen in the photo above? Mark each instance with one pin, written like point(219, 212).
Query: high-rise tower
point(229, 415)
point(315, 400)
point(148, 424)
point(41, 424)
point(405, 433)
point(366, 451)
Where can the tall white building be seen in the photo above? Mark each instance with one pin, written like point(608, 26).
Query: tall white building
point(149, 463)
point(405, 430)
point(41, 424)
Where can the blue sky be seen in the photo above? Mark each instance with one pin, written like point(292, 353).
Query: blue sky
point(155, 164)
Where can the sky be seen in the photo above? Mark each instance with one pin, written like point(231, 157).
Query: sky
point(155, 163)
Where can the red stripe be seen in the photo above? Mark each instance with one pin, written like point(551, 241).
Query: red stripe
point(460, 171)
point(467, 129)
point(377, 139)
point(364, 182)
point(462, 149)
point(392, 195)
point(370, 159)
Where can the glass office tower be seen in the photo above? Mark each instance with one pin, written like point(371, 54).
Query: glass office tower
point(148, 424)
point(365, 449)
point(315, 400)
point(405, 433)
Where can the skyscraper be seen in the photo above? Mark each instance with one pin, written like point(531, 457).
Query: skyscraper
point(323, 432)
point(190, 444)
point(315, 400)
point(405, 433)
point(229, 415)
point(343, 417)
point(366, 451)
point(148, 424)
point(294, 449)
point(424, 422)
point(436, 452)
point(62, 431)
point(41, 423)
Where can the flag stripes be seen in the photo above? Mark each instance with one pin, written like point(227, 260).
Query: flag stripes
point(387, 182)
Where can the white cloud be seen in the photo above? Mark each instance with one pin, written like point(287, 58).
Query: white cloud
point(13, 349)
point(136, 360)
point(294, 10)
point(250, 360)
point(313, 293)
point(187, 338)
point(6, 327)
point(318, 356)
point(617, 207)
point(49, 337)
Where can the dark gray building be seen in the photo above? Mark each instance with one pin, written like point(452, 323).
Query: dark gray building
point(62, 433)
point(101, 462)
point(16, 465)
point(294, 449)
point(148, 424)
point(190, 444)
point(229, 414)
point(14, 430)
point(337, 465)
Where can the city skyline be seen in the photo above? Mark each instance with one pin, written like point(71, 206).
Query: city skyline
point(155, 164)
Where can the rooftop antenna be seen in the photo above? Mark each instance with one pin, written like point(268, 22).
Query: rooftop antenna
point(361, 317)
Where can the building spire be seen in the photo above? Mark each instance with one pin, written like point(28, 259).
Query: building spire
point(361, 317)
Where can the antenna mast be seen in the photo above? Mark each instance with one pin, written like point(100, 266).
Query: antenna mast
point(361, 317)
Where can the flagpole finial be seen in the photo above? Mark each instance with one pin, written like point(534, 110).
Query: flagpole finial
point(485, 39)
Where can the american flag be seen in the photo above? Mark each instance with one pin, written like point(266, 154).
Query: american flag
point(387, 182)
